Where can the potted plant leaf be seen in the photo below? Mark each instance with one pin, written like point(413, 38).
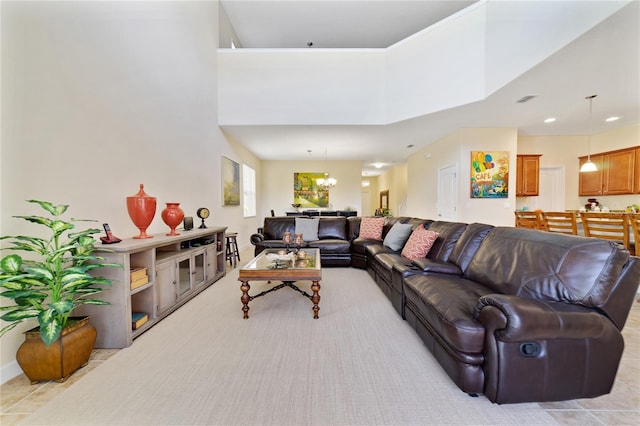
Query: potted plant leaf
point(56, 275)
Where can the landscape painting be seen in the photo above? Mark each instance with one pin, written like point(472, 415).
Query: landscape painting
point(307, 192)
point(230, 182)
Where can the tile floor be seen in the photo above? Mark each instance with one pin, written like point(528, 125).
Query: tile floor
point(18, 398)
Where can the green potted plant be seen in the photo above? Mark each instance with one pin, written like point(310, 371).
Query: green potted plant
point(48, 283)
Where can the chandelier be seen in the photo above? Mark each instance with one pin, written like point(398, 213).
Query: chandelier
point(327, 182)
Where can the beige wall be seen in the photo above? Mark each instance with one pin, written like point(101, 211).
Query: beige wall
point(455, 149)
point(275, 184)
point(98, 97)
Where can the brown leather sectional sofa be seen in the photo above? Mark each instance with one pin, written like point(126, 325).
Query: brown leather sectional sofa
point(515, 314)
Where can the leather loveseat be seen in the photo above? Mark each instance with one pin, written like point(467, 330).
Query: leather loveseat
point(515, 314)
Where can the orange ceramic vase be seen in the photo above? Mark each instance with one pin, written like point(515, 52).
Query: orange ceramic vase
point(142, 209)
point(172, 215)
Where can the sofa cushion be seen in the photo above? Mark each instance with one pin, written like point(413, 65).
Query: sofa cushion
point(398, 236)
point(371, 227)
point(548, 266)
point(447, 304)
point(419, 243)
point(448, 235)
point(332, 228)
point(308, 227)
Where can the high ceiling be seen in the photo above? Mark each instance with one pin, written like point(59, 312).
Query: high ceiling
point(605, 61)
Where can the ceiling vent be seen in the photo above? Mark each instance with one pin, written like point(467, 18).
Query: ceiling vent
point(525, 99)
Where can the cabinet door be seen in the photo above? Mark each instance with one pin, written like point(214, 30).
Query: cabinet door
point(618, 172)
point(636, 172)
point(198, 265)
point(210, 257)
point(591, 182)
point(184, 276)
point(527, 175)
point(166, 285)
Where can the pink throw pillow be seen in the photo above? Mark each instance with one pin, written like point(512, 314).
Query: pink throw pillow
point(419, 243)
point(371, 227)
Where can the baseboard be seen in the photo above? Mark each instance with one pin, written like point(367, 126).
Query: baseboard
point(9, 371)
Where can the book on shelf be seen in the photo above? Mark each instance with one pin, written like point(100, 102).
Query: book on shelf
point(137, 272)
point(138, 318)
point(139, 282)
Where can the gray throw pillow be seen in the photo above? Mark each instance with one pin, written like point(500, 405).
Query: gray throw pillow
point(397, 236)
point(308, 227)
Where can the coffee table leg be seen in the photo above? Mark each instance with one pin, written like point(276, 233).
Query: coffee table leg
point(245, 298)
point(315, 287)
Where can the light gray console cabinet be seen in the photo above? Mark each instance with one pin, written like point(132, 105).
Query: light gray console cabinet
point(178, 268)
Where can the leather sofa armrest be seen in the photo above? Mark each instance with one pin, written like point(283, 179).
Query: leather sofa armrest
point(256, 238)
point(514, 319)
point(437, 266)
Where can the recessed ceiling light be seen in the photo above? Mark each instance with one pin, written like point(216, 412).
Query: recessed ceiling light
point(550, 120)
point(410, 145)
point(610, 119)
point(377, 165)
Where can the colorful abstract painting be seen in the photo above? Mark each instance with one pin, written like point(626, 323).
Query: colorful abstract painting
point(489, 174)
point(306, 191)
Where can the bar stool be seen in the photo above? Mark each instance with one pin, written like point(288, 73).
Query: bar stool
point(232, 252)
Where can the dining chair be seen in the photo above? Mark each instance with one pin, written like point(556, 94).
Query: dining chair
point(634, 221)
point(528, 219)
point(562, 222)
point(608, 226)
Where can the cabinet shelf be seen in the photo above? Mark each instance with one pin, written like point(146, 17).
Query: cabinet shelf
point(164, 258)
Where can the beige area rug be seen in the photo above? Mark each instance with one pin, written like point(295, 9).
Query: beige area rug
point(358, 364)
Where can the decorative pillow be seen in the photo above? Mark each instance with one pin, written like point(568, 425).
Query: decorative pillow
point(371, 227)
point(397, 236)
point(308, 227)
point(419, 243)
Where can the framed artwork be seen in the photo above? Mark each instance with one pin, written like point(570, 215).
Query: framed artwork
point(307, 192)
point(384, 199)
point(489, 174)
point(230, 182)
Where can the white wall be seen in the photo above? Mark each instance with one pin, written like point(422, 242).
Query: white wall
point(98, 97)
point(276, 184)
point(455, 149)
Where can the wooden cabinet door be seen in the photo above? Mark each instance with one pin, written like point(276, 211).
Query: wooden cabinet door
point(210, 256)
point(591, 182)
point(618, 172)
point(636, 173)
point(527, 175)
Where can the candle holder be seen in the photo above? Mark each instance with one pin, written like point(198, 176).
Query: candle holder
point(286, 239)
point(298, 241)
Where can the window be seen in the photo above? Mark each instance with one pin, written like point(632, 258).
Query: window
point(249, 190)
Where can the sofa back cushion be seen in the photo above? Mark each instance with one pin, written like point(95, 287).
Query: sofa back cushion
point(332, 228)
point(548, 266)
point(448, 235)
point(275, 227)
point(468, 244)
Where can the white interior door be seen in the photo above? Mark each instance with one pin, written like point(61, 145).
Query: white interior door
point(552, 190)
point(365, 204)
point(447, 204)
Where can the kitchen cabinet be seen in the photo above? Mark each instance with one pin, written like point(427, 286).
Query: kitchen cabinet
point(617, 173)
point(527, 175)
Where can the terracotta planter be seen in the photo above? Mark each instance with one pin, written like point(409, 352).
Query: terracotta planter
point(172, 215)
point(58, 361)
point(142, 209)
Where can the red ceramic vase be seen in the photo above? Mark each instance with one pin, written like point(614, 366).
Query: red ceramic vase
point(172, 215)
point(142, 209)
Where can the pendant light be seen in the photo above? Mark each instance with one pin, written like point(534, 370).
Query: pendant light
point(589, 166)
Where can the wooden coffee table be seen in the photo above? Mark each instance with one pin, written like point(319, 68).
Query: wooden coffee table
point(261, 268)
